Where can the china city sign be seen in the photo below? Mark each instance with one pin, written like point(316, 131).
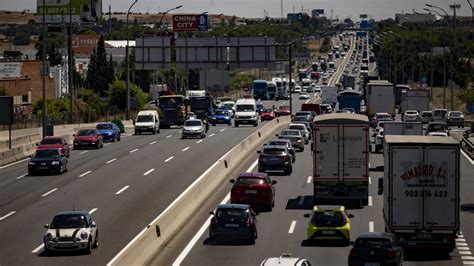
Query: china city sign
point(190, 22)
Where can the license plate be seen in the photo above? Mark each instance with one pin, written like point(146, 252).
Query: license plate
point(371, 264)
point(43, 168)
point(250, 191)
point(273, 159)
point(423, 236)
point(220, 121)
point(232, 225)
point(328, 232)
point(322, 192)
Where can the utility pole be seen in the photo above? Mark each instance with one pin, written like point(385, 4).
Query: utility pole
point(127, 65)
point(70, 67)
point(44, 70)
point(281, 7)
point(453, 7)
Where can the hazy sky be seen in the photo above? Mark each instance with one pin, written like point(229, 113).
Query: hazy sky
point(377, 9)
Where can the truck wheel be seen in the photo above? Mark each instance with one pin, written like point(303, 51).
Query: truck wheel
point(236, 124)
point(256, 124)
point(365, 202)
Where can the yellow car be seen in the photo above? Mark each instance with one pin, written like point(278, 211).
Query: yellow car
point(329, 222)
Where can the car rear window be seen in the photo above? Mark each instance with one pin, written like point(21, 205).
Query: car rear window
point(328, 218)
point(192, 123)
point(373, 243)
point(273, 151)
point(250, 181)
point(234, 215)
point(86, 132)
point(297, 127)
point(290, 133)
point(51, 141)
point(104, 126)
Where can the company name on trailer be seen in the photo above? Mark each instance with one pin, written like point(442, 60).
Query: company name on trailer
point(348, 138)
point(426, 171)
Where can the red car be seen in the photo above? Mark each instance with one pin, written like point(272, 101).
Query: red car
point(89, 137)
point(55, 143)
point(381, 117)
point(267, 114)
point(255, 189)
point(283, 110)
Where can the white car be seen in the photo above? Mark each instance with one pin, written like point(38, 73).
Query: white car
point(71, 230)
point(317, 89)
point(303, 96)
point(379, 140)
point(297, 89)
point(193, 128)
point(410, 116)
point(286, 259)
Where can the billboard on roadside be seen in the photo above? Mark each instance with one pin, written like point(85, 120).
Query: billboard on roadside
point(60, 11)
point(190, 23)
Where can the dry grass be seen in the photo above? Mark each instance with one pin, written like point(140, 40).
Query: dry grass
point(14, 17)
point(437, 101)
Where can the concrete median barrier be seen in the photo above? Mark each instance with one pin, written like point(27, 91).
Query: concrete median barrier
point(161, 230)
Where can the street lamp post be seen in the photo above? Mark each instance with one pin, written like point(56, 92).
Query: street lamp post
point(431, 53)
point(44, 70)
point(472, 10)
point(127, 64)
point(166, 12)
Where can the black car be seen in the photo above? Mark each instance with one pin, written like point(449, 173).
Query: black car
point(376, 248)
point(233, 221)
point(284, 142)
point(47, 160)
point(274, 157)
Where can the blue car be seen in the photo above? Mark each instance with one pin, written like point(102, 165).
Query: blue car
point(109, 131)
point(222, 116)
point(260, 108)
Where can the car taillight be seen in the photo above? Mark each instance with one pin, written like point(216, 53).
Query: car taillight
point(250, 222)
point(352, 253)
point(286, 157)
point(213, 221)
point(391, 253)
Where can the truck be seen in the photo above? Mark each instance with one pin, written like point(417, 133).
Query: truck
point(380, 98)
point(349, 99)
point(172, 110)
point(341, 158)
point(272, 90)
point(202, 107)
point(313, 107)
point(329, 95)
point(348, 81)
point(415, 100)
point(260, 89)
point(399, 88)
point(420, 189)
point(397, 128)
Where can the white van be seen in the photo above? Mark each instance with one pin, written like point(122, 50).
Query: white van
point(246, 112)
point(147, 121)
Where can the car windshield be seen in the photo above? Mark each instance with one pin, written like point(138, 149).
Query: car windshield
point(221, 112)
point(232, 215)
point(373, 243)
point(69, 221)
point(104, 126)
point(250, 181)
point(274, 151)
point(328, 218)
point(47, 153)
point(192, 123)
point(145, 118)
point(170, 102)
point(284, 107)
point(290, 133)
point(86, 132)
point(245, 108)
point(49, 141)
point(201, 102)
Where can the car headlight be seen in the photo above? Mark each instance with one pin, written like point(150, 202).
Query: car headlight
point(84, 235)
point(55, 163)
point(109, 133)
point(48, 237)
point(31, 163)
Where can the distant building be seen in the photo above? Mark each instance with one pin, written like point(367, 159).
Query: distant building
point(415, 18)
point(85, 44)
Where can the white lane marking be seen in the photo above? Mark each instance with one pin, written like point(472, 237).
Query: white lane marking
point(211, 135)
point(7, 215)
point(169, 159)
point(370, 180)
point(370, 201)
point(198, 235)
point(17, 162)
point(151, 143)
point(307, 101)
point(149, 171)
point(107, 144)
point(38, 248)
point(460, 240)
point(23, 175)
point(465, 252)
point(122, 190)
point(468, 262)
point(84, 174)
point(301, 200)
point(467, 257)
point(461, 244)
point(169, 136)
point(49, 192)
point(82, 152)
point(462, 248)
point(292, 227)
point(134, 150)
point(199, 141)
point(310, 178)
point(109, 161)
point(93, 210)
point(222, 130)
point(185, 149)
point(371, 226)
point(467, 157)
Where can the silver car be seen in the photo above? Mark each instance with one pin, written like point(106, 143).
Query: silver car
point(304, 131)
point(410, 116)
point(193, 128)
point(295, 136)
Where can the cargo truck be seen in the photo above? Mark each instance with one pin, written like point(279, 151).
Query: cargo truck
point(415, 100)
point(397, 128)
point(329, 95)
point(349, 99)
point(420, 191)
point(380, 98)
point(341, 158)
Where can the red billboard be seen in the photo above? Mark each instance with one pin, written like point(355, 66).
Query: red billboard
point(185, 23)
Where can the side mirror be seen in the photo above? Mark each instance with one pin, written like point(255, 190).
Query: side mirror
point(211, 213)
point(232, 181)
point(46, 226)
point(259, 152)
point(37, 144)
point(350, 215)
point(352, 243)
point(93, 224)
point(277, 135)
point(307, 215)
point(73, 135)
point(274, 182)
point(380, 186)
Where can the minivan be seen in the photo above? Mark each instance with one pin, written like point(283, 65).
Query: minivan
point(147, 121)
point(246, 112)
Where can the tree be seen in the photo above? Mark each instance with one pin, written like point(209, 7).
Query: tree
point(118, 93)
point(54, 42)
point(100, 71)
point(21, 38)
point(3, 92)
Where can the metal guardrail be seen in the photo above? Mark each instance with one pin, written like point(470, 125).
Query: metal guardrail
point(467, 146)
